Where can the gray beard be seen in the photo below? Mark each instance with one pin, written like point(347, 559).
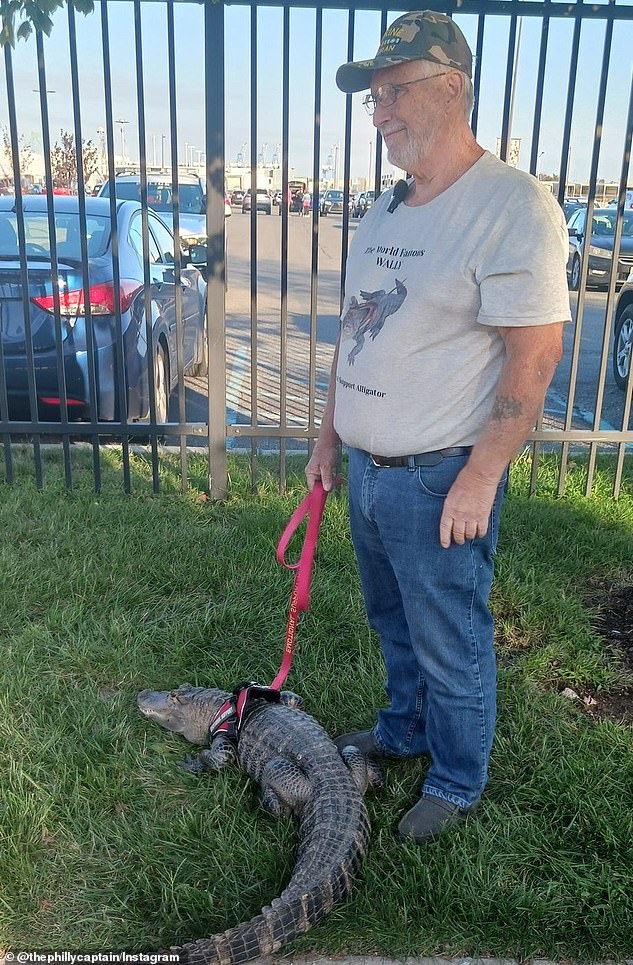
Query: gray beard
point(409, 155)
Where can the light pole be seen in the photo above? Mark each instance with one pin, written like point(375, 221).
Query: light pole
point(162, 152)
point(515, 71)
point(371, 158)
point(122, 122)
point(101, 133)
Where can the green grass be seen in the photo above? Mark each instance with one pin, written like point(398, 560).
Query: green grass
point(106, 843)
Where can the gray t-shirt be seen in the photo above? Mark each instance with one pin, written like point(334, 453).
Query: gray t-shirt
point(426, 289)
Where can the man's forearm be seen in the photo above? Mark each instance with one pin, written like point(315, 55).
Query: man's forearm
point(519, 396)
point(323, 462)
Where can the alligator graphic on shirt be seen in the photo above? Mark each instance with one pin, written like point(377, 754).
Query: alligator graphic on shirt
point(366, 318)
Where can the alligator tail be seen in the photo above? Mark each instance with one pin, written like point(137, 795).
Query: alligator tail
point(308, 898)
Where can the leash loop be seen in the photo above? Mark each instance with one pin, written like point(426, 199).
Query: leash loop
point(312, 507)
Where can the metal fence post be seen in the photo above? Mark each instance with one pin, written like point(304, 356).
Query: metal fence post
point(215, 321)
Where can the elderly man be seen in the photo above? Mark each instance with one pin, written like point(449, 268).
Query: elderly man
point(451, 331)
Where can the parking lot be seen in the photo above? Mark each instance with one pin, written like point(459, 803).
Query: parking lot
point(238, 316)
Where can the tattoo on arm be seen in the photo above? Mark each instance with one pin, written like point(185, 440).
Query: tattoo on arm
point(506, 407)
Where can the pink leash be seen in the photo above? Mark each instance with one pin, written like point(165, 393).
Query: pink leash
point(234, 711)
point(312, 507)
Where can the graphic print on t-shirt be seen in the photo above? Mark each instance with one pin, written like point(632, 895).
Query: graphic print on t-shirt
point(367, 317)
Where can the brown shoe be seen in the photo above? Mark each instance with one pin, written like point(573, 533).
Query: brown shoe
point(428, 818)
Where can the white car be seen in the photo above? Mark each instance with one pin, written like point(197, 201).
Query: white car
point(263, 201)
point(192, 203)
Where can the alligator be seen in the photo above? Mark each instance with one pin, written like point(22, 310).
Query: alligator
point(301, 772)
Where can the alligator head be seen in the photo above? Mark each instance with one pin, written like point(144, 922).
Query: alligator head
point(187, 710)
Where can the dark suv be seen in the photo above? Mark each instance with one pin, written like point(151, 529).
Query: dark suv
point(332, 202)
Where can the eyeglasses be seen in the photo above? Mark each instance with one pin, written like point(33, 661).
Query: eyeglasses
point(387, 94)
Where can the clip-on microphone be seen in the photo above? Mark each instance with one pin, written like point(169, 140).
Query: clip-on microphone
point(400, 191)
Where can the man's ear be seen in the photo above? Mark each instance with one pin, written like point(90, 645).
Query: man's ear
point(455, 85)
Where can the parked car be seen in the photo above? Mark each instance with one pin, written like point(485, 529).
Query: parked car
point(363, 203)
point(237, 197)
point(192, 206)
point(570, 206)
point(358, 200)
point(600, 246)
point(332, 202)
point(368, 200)
point(102, 302)
point(263, 201)
point(623, 334)
point(628, 199)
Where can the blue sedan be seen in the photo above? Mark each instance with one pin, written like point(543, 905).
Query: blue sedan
point(101, 304)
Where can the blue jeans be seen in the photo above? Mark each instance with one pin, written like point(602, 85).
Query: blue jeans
point(429, 606)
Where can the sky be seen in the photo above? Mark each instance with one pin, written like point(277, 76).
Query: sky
point(189, 20)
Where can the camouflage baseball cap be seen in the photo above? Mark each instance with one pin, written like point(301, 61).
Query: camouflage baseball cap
point(419, 35)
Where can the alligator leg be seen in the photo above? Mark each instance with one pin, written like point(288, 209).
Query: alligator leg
point(289, 699)
point(284, 781)
point(359, 338)
point(220, 753)
point(364, 771)
point(273, 804)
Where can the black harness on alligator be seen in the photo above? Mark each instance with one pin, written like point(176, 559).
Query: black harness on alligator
point(245, 696)
point(238, 707)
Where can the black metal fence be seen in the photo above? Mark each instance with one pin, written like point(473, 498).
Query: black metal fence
point(218, 431)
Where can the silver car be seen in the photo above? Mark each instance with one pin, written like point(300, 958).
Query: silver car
point(600, 246)
point(623, 334)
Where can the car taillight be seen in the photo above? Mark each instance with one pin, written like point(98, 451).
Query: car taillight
point(101, 299)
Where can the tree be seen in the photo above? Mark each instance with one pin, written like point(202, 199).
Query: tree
point(33, 14)
point(25, 155)
point(64, 160)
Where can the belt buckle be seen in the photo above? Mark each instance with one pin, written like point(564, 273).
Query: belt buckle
point(379, 465)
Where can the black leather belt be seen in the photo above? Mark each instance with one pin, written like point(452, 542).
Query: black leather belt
point(420, 459)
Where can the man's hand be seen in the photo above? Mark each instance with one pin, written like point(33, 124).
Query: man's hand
point(322, 465)
point(532, 354)
point(467, 507)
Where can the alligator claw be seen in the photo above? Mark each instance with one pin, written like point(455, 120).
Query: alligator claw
point(289, 699)
point(364, 771)
point(192, 764)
